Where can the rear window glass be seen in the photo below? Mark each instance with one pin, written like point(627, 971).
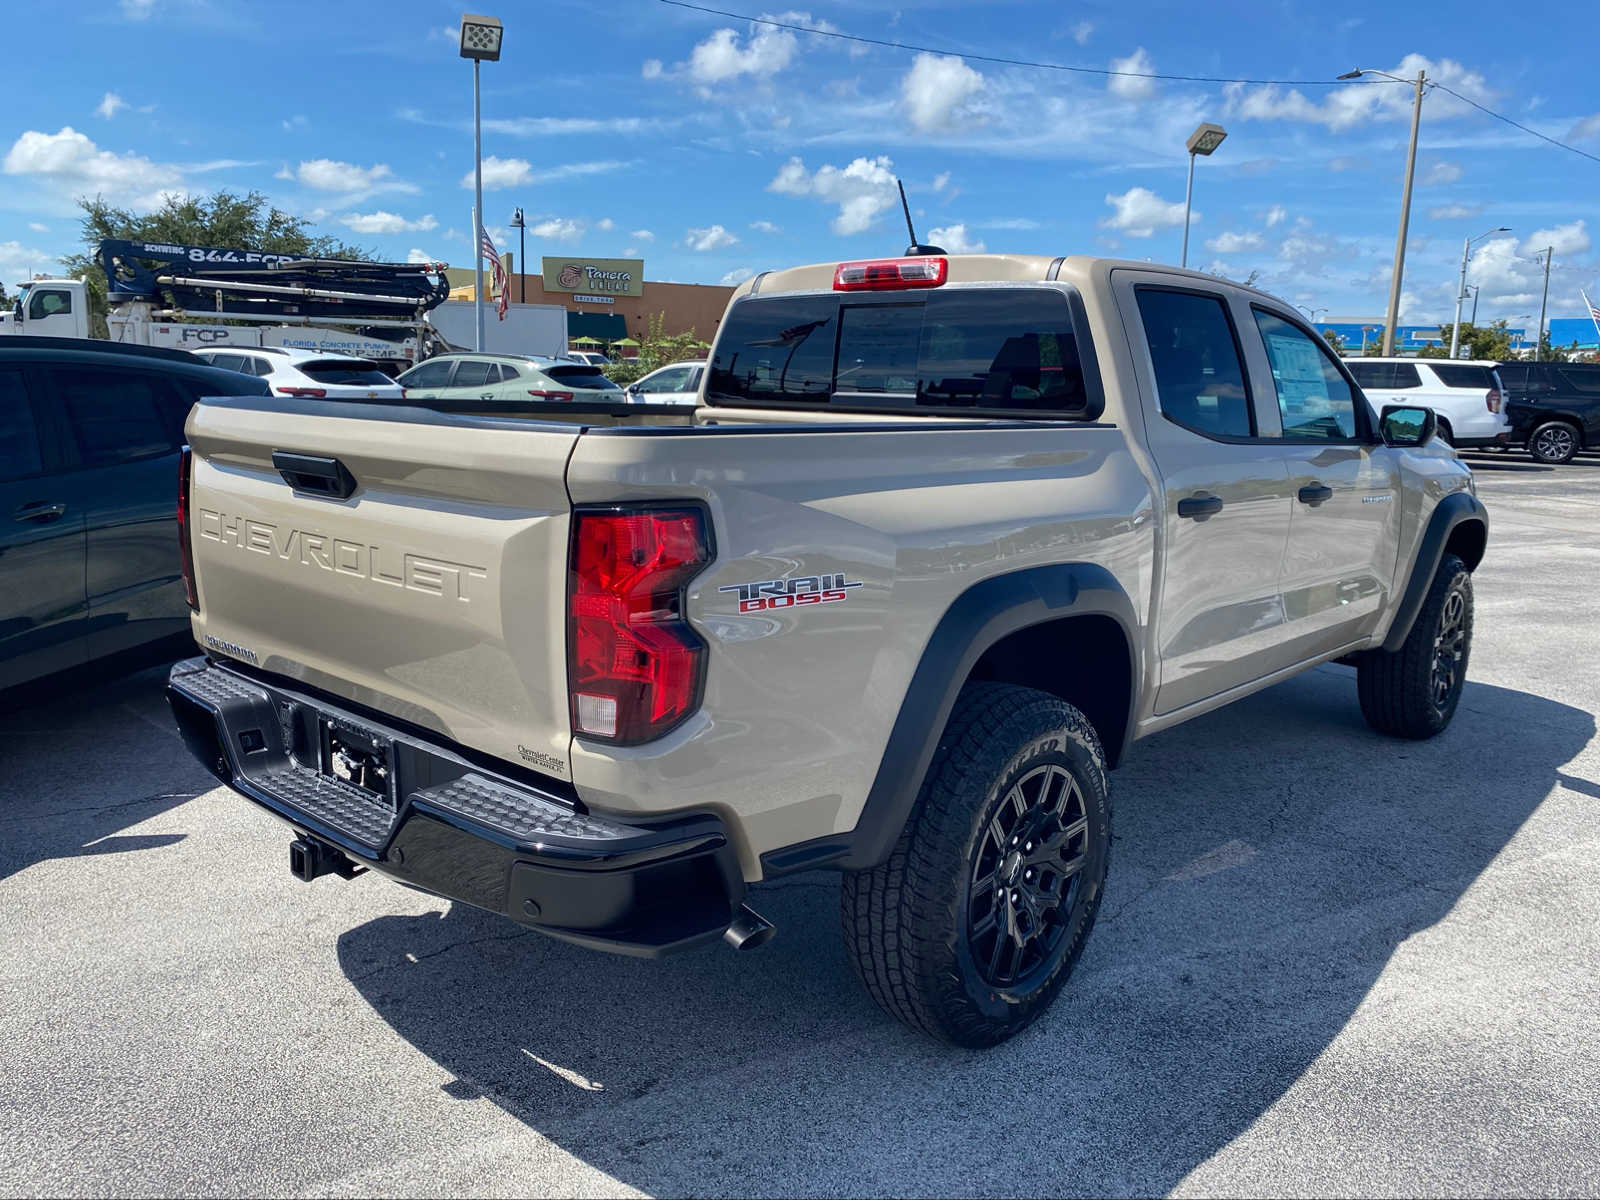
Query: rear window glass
point(19, 441)
point(115, 415)
point(1386, 376)
point(1008, 349)
point(349, 374)
point(1463, 376)
point(581, 377)
point(1581, 379)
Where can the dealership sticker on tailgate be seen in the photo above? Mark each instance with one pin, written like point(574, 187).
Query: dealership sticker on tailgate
point(803, 591)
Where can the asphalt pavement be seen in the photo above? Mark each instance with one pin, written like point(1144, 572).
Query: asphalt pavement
point(1327, 964)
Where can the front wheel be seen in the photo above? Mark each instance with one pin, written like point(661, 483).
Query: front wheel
point(1414, 692)
point(974, 922)
point(1554, 442)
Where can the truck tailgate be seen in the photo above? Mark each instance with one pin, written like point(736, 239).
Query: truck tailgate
point(435, 591)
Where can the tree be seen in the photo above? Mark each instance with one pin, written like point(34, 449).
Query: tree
point(1550, 353)
point(656, 349)
point(1335, 342)
point(1491, 343)
point(222, 219)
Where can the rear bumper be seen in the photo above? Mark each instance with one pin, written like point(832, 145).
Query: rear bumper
point(457, 829)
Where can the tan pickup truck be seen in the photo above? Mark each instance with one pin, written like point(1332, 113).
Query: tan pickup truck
point(942, 538)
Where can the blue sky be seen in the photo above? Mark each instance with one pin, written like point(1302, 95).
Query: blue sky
point(713, 148)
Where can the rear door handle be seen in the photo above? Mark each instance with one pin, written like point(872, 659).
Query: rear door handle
point(41, 511)
point(486, 396)
point(1200, 507)
point(1315, 494)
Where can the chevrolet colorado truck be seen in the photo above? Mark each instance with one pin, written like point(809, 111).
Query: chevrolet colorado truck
point(942, 538)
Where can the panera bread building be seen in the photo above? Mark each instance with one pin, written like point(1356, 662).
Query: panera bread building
point(610, 299)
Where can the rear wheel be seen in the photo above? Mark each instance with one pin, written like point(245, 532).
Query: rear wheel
point(1414, 692)
point(974, 922)
point(1554, 442)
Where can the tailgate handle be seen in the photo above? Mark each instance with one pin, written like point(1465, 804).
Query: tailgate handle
point(313, 476)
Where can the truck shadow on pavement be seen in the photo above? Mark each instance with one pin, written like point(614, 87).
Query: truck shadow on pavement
point(61, 743)
point(1269, 860)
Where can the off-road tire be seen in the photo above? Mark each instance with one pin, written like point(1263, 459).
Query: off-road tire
point(1405, 694)
point(1554, 443)
point(908, 921)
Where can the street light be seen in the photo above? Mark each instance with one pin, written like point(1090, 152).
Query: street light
point(1311, 313)
point(480, 41)
point(1405, 200)
point(521, 226)
point(1476, 288)
point(1461, 292)
point(1203, 140)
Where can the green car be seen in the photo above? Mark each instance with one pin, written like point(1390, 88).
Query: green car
point(506, 378)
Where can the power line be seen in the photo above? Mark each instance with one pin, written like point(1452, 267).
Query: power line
point(989, 58)
point(839, 35)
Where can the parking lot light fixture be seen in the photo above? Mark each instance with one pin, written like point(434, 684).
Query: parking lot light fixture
point(1461, 292)
point(480, 41)
point(1203, 140)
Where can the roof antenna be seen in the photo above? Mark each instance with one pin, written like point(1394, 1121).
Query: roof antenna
point(915, 247)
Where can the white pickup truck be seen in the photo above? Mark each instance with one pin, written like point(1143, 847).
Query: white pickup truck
point(942, 539)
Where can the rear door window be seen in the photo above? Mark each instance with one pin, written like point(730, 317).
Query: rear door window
point(19, 437)
point(1463, 375)
point(1000, 349)
point(115, 416)
point(1199, 375)
point(471, 373)
point(1580, 379)
point(428, 375)
point(228, 362)
point(1384, 376)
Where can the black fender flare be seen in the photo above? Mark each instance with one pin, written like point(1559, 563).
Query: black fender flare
point(1455, 509)
point(977, 619)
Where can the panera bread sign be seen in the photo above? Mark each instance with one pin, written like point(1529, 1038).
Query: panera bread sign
point(595, 276)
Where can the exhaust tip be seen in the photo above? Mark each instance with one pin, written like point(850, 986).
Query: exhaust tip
point(750, 930)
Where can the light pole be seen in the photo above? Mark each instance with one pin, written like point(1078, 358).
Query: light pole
point(1203, 140)
point(1461, 292)
point(1311, 313)
point(1538, 345)
point(480, 41)
point(521, 226)
point(1405, 201)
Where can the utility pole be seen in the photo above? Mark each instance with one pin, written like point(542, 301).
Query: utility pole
point(1538, 347)
point(1405, 221)
point(477, 207)
point(520, 224)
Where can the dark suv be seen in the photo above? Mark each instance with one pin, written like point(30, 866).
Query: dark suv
point(90, 434)
point(1554, 408)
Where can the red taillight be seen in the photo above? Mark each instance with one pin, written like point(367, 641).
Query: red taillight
point(184, 545)
point(1492, 399)
point(306, 393)
point(634, 664)
point(565, 397)
point(886, 274)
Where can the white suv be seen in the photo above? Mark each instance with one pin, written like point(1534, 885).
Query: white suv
point(290, 371)
point(1465, 395)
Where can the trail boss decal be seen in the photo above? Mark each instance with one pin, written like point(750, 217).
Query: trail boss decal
point(804, 590)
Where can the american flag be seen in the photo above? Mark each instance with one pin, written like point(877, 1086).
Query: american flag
point(1594, 313)
point(499, 278)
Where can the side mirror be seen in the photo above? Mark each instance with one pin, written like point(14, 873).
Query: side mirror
point(1402, 425)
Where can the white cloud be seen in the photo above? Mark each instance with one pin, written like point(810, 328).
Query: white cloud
point(642, 235)
point(1585, 129)
point(330, 175)
point(38, 227)
point(19, 262)
point(501, 173)
point(298, 121)
point(941, 181)
point(1442, 172)
point(454, 235)
point(722, 56)
point(764, 227)
point(76, 166)
point(863, 190)
point(736, 276)
point(956, 240)
point(1234, 243)
point(630, 252)
point(1140, 212)
point(714, 238)
point(1565, 240)
point(1454, 212)
point(605, 224)
point(109, 104)
point(1346, 162)
point(1131, 87)
point(938, 92)
point(652, 68)
point(1082, 31)
point(558, 229)
point(420, 256)
point(138, 10)
point(381, 222)
point(1355, 103)
point(1010, 223)
point(1277, 215)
